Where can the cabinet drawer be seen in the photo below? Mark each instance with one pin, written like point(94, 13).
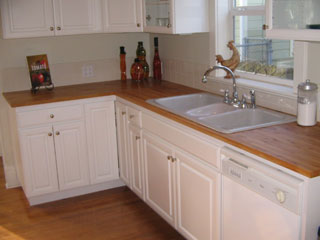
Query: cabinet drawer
point(197, 146)
point(49, 115)
point(134, 117)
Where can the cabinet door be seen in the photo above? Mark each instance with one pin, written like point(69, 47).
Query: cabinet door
point(77, 16)
point(71, 155)
point(27, 18)
point(159, 177)
point(122, 15)
point(198, 194)
point(38, 161)
point(137, 180)
point(102, 141)
point(158, 16)
point(293, 20)
point(122, 134)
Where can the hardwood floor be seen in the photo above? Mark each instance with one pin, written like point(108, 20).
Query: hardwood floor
point(112, 214)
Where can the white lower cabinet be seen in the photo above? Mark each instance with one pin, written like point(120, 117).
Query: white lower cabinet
point(135, 153)
point(38, 159)
point(159, 177)
point(66, 149)
point(198, 189)
point(54, 157)
point(129, 147)
point(184, 191)
point(102, 141)
point(122, 134)
point(71, 155)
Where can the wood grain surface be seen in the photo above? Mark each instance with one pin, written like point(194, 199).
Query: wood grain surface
point(115, 214)
point(289, 145)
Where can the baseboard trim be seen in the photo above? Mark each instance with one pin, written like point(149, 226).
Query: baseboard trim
point(74, 192)
point(10, 175)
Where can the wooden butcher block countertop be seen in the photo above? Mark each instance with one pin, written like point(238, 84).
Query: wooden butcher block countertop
point(289, 145)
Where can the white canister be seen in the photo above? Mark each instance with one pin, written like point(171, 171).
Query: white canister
point(307, 104)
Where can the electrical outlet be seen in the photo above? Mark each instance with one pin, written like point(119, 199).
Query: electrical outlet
point(87, 71)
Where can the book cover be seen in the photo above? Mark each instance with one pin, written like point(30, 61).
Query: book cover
point(39, 71)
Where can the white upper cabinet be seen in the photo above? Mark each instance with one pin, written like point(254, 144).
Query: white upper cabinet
point(77, 16)
point(293, 19)
point(32, 18)
point(176, 16)
point(122, 15)
point(38, 18)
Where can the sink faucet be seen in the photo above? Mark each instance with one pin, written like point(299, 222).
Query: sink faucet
point(235, 100)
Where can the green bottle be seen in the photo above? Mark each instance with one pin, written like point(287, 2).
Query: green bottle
point(141, 55)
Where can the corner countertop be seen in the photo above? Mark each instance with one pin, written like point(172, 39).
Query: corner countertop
point(288, 145)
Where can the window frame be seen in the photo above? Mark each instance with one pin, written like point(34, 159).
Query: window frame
point(220, 47)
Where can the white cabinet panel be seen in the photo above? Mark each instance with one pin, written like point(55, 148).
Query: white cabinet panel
point(101, 135)
point(71, 155)
point(159, 177)
point(122, 134)
point(27, 18)
point(38, 160)
point(137, 179)
point(77, 16)
point(293, 20)
point(122, 15)
point(197, 198)
point(35, 18)
point(176, 16)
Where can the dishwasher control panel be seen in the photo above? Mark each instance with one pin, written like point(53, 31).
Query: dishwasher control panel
point(280, 192)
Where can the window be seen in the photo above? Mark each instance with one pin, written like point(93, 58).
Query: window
point(269, 60)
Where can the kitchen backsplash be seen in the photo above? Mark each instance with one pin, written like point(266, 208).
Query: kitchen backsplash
point(15, 79)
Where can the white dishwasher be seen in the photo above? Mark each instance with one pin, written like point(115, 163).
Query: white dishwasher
point(259, 202)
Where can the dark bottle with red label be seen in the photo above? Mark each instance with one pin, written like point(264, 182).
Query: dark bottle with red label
point(123, 63)
point(156, 61)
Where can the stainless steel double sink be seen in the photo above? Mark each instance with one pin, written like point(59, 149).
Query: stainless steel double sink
point(209, 110)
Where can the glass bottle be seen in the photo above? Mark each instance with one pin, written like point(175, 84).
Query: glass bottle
point(141, 55)
point(156, 61)
point(136, 71)
point(123, 68)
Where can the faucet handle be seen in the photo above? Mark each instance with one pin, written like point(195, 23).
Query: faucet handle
point(253, 98)
point(226, 98)
point(244, 103)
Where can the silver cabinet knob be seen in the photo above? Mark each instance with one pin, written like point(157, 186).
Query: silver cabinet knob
point(58, 28)
point(51, 28)
point(57, 133)
point(51, 116)
point(49, 134)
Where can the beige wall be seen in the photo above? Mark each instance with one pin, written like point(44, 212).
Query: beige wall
point(67, 55)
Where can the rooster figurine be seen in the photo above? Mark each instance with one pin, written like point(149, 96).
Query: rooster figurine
point(231, 63)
